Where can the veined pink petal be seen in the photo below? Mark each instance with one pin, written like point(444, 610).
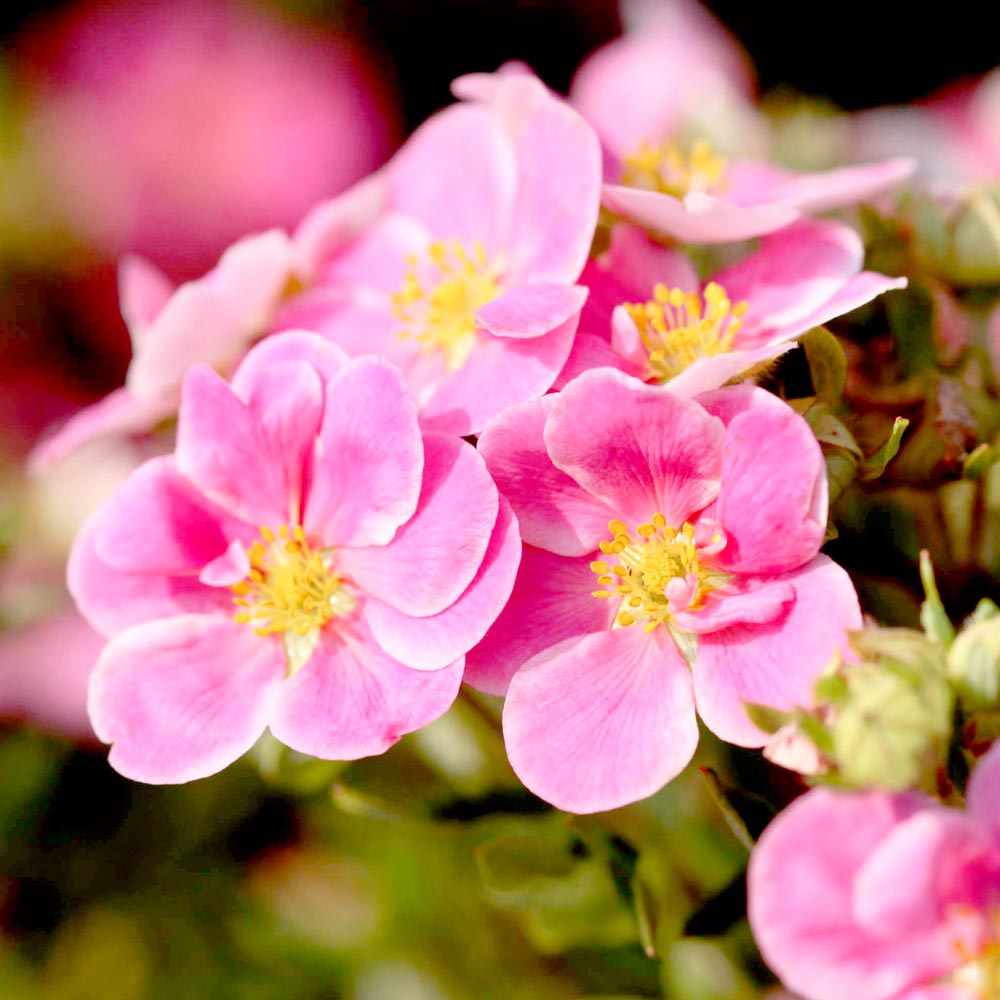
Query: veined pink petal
point(553, 510)
point(597, 722)
point(640, 262)
point(433, 642)
point(773, 500)
point(290, 345)
point(500, 372)
point(352, 700)
point(181, 698)
point(458, 174)
point(143, 291)
point(639, 449)
point(706, 374)
point(558, 193)
point(435, 555)
point(776, 663)
point(590, 351)
point(551, 601)
point(216, 317)
point(368, 458)
point(113, 599)
point(699, 218)
point(531, 310)
point(744, 600)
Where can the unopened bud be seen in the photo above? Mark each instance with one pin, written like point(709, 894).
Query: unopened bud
point(974, 665)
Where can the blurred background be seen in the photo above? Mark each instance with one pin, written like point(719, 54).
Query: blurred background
point(168, 129)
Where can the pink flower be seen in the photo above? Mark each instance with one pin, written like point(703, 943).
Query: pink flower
point(670, 560)
point(882, 897)
point(305, 560)
point(698, 337)
point(171, 128)
point(459, 261)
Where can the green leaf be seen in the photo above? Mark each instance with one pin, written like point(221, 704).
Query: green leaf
point(646, 907)
point(874, 466)
point(979, 461)
point(933, 617)
point(827, 364)
point(745, 813)
point(770, 720)
point(514, 862)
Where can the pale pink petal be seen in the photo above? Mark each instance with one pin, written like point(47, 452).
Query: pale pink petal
point(983, 793)
point(554, 512)
point(773, 501)
point(113, 599)
point(457, 173)
point(642, 263)
point(558, 194)
point(222, 450)
point(531, 310)
point(706, 374)
point(143, 291)
point(434, 642)
point(743, 600)
point(551, 601)
point(753, 183)
point(182, 698)
point(119, 413)
point(216, 317)
point(434, 556)
point(800, 897)
point(590, 351)
point(777, 663)
point(280, 348)
point(352, 700)
point(500, 372)
point(699, 218)
point(639, 449)
point(601, 721)
point(229, 568)
point(368, 458)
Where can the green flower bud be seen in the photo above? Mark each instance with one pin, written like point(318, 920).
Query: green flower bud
point(960, 242)
point(974, 665)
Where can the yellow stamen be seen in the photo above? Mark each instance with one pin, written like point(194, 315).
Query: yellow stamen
point(442, 317)
point(677, 328)
point(665, 168)
point(649, 563)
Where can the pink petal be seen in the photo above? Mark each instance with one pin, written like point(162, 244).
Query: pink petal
point(741, 601)
point(280, 348)
point(558, 194)
point(706, 374)
point(435, 555)
point(119, 413)
point(591, 352)
point(700, 218)
point(800, 896)
point(184, 697)
point(352, 700)
point(368, 458)
point(551, 601)
point(776, 663)
point(554, 512)
point(434, 642)
point(752, 183)
point(773, 501)
point(639, 449)
point(143, 291)
point(457, 173)
point(500, 372)
point(216, 317)
point(113, 599)
point(983, 792)
point(532, 310)
point(643, 263)
point(601, 721)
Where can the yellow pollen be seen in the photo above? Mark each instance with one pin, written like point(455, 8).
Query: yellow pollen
point(979, 973)
point(665, 168)
point(442, 315)
point(291, 588)
point(646, 567)
point(678, 327)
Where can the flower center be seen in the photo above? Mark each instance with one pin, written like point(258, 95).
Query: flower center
point(291, 588)
point(441, 316)
point(665, 168)
point(653, 573)
point(677, 327)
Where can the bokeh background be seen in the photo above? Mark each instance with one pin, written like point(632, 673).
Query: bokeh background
point(169, 129)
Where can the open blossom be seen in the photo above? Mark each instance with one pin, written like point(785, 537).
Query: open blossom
point(306, 560)
point(670, 561)
point(649, 315)
point(459, 261)
point(883, 897)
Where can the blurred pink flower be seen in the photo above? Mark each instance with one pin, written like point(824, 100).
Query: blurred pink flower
point(361, 559)
point(709, 589)
point(171, 128)
point(882, 897)
point(459, 261)
point(697, 338)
